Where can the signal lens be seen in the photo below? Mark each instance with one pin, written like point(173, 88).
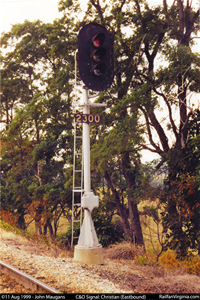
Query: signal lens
point(99, 69)
point(98, 54)
point(98, 40)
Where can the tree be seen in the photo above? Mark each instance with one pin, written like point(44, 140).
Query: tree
point(37, 138)
point(142, 36)
point(116, 155)
point(182, 212)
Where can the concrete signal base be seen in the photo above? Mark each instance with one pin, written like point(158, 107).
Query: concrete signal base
point(93, 256)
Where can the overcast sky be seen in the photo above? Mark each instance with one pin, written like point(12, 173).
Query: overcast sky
point(16, 11)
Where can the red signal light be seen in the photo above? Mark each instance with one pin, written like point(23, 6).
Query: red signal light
point(98, 40)
point(97, 43)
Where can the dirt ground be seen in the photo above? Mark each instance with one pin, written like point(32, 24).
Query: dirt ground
point(125, 273)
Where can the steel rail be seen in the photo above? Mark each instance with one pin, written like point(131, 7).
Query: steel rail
point(26, 280)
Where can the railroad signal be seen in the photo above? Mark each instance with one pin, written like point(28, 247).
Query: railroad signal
point(95, 57)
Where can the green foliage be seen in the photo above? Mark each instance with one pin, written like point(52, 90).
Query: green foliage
point(181, 195)
point(142, 260)
point(106, 231)
point(65, 238)
point(36, 106)
point(37, 92)
point(9, 227)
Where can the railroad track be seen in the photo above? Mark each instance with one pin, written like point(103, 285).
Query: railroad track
point(26, 280)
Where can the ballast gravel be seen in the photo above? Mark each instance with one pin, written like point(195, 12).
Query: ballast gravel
point(56, 268)
point(63, 274)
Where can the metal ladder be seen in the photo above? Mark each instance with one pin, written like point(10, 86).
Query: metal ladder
point(77, 190)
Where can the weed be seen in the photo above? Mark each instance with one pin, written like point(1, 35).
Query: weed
point(190, 265)
point(142, 260)
point(9, 227)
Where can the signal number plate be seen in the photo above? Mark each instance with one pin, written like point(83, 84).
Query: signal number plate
point(87, 118)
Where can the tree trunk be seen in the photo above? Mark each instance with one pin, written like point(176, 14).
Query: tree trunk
point(38, 217)
point(38, 227)
point(21, 222)
point(132, 206)
point(50, 230)
point(120, 209)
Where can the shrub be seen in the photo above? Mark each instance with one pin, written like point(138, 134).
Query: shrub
point(9, 217)
point(190, 264)
point(169, 260)
point(125, 250)
point(65, 238)
point(106, 232)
